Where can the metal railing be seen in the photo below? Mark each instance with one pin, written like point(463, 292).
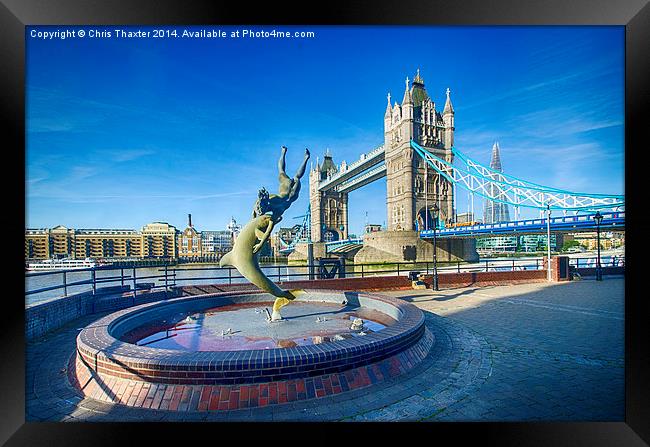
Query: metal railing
point(127, 278)
point(592, 262)
point(132, 280)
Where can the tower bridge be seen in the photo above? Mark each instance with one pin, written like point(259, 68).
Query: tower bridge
point(422, 168)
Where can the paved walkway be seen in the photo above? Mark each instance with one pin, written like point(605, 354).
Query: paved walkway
point(556, 351)
point(525, 352)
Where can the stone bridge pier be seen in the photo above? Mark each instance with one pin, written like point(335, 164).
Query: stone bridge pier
point(399, 246)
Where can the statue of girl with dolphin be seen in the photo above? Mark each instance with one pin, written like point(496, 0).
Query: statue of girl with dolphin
point(244, 254)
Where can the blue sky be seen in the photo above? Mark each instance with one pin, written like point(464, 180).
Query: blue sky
point(123, 132)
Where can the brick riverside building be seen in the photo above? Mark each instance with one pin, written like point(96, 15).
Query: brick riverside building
point(155, 240)
point(102, 243)
point(62, 242)
point(189, 241)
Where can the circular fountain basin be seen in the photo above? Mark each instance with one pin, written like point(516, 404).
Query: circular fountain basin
point(238, 327)
point(226, 339)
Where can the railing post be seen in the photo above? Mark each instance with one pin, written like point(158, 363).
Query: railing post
point(536, 264)
point(486, 266)
point(458, 266)
point(398, 269)
point(229, 275)
point(513, 265)
point(165, 277)
point(92, 272)
point(135, 288)
point(362, 270)
point(65, 284)
point(122, 277)
point(310, 260)
point(279, 274)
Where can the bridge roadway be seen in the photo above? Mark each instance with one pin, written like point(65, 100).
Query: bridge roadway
point(613, 220)
point(362, 180)
point(345, 181)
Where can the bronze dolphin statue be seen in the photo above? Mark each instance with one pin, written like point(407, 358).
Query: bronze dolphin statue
point(244, 257)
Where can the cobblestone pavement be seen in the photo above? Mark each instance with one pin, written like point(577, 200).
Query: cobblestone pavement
point(525, 352)
point(556, 350)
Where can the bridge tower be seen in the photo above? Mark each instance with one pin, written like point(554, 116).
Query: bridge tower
point(410, 191)
point(412, 188)
point(329, 219)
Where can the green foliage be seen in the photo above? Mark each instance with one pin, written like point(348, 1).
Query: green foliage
point(570, 244)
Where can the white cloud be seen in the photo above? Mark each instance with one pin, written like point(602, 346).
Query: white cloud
point(130, 154)
point(82, 172)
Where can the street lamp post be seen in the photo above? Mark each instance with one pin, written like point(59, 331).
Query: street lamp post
point(598, 218)
point(548, 241)
point(435, 210)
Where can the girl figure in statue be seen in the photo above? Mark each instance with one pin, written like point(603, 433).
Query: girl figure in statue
point(288, 190)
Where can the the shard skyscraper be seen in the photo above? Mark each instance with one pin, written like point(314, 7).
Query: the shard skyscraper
point(496, 211)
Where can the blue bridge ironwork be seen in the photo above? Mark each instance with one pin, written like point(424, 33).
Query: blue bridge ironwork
point(499, 187)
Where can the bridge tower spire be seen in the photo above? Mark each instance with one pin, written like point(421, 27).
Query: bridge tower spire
point(388, 115)
point(448, 118)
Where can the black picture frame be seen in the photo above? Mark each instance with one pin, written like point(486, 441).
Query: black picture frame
point(633, 14)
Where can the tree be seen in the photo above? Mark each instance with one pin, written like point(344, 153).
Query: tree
point(570, 244)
